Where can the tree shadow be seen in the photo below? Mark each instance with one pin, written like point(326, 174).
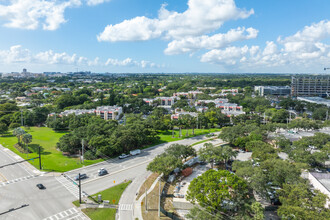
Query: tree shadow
point(61, 131)
point(35, 149)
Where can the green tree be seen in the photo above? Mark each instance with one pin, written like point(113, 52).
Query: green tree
point(27, 138)
point(210, 153)
point(300, 202)
point(181, 151)
point(18, 132)
point(164, 163)
point(219, 192)
point(3, 128)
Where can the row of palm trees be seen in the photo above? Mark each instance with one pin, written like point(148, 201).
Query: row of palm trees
point(22, 137)
point(184, 121)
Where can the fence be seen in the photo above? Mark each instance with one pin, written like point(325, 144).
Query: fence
point(166, 213)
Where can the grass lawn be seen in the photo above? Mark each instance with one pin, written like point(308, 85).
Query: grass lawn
point(112, 194)
point(200, 142)
point(166, 136)
point(52, 159)
point(100, 214)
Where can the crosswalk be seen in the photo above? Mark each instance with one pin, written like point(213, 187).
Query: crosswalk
point(125, 207)
point(18, 180)
point(69, 185)
point(70, 214)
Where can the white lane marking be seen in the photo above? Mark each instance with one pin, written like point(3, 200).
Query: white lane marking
point(70, 214)
point(125, 207)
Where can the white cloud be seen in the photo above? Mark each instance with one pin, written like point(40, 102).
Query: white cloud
point(191, 44)
point(17, 54)
point(302, 50)
point(130, 62)
point(30, 14)
point(201, 17)
point(96, 2)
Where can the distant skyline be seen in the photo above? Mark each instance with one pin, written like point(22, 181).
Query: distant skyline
point(144, 36)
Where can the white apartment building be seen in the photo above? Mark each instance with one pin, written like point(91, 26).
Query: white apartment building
point(109, 112)
point(164, 101)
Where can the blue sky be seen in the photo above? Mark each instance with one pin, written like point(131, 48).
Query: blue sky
point(235, 36)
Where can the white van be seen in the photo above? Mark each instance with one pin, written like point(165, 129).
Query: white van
point(135, 152)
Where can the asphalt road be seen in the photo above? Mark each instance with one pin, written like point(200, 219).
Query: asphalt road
point(131, 168)
point(21, 199)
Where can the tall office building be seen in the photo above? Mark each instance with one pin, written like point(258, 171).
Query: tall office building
point(310, 86)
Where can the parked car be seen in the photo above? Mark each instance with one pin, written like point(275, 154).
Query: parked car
point(82, 176)
point(123, 156)
point(40, 186)
point(135, 152)
point(102, 172)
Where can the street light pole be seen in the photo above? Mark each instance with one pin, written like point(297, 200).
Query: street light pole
point(39, 158)
point(159, 198)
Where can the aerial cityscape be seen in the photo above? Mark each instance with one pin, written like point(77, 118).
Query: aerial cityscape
point(192, 110)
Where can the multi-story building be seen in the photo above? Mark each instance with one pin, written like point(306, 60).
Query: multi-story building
point(188, 94)
point(109, 112)
point(273, 90)
point(164, 101)
point(74, 111)
point(230, 109)
point(215, 101)
point(310, 86)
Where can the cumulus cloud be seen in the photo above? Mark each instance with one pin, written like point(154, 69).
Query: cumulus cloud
point(201, 17)
point(302, 50)
point(191, 44)
point(17, 54)
point(30, 14)
point(129, 62)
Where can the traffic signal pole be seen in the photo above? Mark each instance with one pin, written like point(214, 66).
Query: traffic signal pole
point(79, 189)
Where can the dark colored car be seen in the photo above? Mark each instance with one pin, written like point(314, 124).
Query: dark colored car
point(40, 186)
point(102, 172)
point(82, 176)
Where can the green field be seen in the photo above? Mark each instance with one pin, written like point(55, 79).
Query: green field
point(166, 136)
point(112, 194)
point(52, 159)
point(100, 214)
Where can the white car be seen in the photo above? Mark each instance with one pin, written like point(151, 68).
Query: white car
point(123, 156)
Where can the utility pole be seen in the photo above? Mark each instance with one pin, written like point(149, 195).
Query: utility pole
point(159, 198)
point(146, 200)
point(327, 115)
point(79, 189)
point(39, 158)
point(82, 151)
point(22, 118)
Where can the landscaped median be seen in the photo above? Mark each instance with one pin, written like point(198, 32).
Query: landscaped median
point(112, 195)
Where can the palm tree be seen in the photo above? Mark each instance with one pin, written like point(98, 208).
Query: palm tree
point(172, 124)
point(18, 132)
point(27, 138)
point(228, 153)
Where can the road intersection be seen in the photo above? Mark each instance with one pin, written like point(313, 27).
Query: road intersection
point(21, 199)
